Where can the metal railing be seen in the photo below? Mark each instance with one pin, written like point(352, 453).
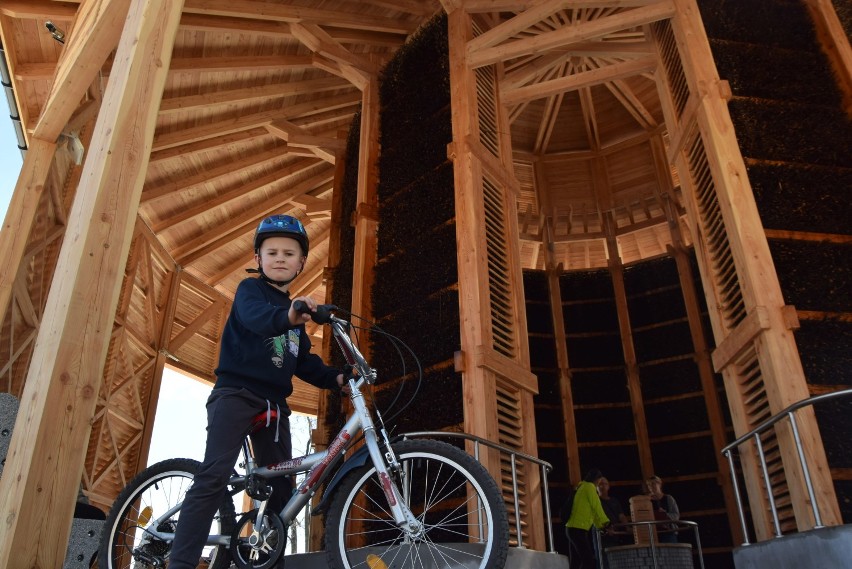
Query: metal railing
point(652, 541)
point(788, 413)
point(514, 456)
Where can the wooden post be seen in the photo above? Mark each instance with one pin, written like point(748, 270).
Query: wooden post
point(21, 214)
point(634, 384)
point(756, 351)
point(569, 424)
point(696, 330)
point(495, 349)
point(46, 454)
point(366, 214)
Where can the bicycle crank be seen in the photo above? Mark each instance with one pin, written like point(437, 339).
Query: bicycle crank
point(257, 546)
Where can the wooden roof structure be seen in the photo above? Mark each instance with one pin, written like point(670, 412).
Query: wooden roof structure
point(252, 101)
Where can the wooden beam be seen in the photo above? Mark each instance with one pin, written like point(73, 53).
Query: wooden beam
point(285, 12)
point(192, 249)
point(20, 216)
point(212, 143)
point(237, 193)
point(257, 92)
point(568, 35)
point(532, 15)
point(38, 9)
point(300, 137)
point(159, 190)
point(46, 455)
point(96, 31)
point(320, 42)
point(261, 119)
point(580, 80)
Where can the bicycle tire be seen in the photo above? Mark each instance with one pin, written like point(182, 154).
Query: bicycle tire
point(159, 487)
point(441, 488)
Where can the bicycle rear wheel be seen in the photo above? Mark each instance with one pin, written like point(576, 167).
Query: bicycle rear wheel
point(459, 504)
point(149, 495)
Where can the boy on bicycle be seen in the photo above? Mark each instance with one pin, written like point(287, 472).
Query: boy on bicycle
point(264, 344)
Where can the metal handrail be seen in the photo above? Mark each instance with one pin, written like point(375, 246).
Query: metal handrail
point(755, 434)
point(514, 456)
point(682, 524)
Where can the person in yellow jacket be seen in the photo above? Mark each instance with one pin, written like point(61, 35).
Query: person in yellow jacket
point(586, 512)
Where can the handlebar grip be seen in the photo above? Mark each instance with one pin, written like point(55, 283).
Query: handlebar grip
point(322, 315)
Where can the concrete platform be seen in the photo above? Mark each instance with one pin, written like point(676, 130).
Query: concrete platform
point(825, 548)
point(517, 559)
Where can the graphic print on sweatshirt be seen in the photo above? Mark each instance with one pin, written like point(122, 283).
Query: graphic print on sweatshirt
point(288, 341)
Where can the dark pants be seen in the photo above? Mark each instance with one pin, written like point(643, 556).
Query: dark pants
point(581, 555)
point(229, 417)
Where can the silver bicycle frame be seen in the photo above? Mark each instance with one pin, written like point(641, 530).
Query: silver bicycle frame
point(318, 465)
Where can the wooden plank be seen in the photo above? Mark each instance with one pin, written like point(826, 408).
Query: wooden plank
point(96, 31)
point(47, 451)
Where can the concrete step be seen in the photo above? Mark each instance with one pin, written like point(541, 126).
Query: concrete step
point(517, 559)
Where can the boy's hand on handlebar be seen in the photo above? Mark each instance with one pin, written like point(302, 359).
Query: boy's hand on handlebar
point(300, 310)
point(343, 383)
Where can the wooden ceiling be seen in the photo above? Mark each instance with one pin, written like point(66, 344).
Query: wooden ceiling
point(260, 94)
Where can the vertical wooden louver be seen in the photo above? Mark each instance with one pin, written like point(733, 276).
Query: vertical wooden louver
point(487, 109)
point(498, 271)
point(713, 227)
point(670, 58)
point(511, 426)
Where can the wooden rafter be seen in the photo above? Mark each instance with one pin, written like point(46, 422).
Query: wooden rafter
point(568, 35)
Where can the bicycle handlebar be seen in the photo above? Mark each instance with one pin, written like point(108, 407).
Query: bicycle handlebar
point(322, 315)
point(353, 357)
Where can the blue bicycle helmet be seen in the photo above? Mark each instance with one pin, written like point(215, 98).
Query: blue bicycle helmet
point(281, 226)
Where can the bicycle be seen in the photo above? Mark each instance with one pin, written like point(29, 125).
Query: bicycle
point(392, 504)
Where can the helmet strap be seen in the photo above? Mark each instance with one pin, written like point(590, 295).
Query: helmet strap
point(266, 278)
point(276, 283)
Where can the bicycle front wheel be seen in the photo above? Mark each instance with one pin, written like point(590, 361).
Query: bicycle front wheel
point(126, 542)
point(451, 494)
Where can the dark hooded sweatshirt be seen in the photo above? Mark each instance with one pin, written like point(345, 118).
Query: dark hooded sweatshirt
point(261, 350)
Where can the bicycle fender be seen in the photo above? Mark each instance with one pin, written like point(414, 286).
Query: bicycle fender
point(357, 460)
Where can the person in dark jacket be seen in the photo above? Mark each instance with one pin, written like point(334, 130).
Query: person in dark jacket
point(665, 508)
point(264, 344)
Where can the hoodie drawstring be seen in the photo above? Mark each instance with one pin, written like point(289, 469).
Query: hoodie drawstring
point(277, 417)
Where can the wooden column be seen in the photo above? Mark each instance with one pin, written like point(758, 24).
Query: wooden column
point(678, 251)
point(553, 271)
point(756, 351)
point(835, 44)
point(366, 209)
point(480, 409)
point(20, 216)
point(46, 454)
point(634, 383)
point(494, 356)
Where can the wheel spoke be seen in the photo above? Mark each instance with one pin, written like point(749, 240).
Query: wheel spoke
point(461, 512)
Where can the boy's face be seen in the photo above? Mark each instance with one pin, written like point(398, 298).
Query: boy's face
point(280, 258)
